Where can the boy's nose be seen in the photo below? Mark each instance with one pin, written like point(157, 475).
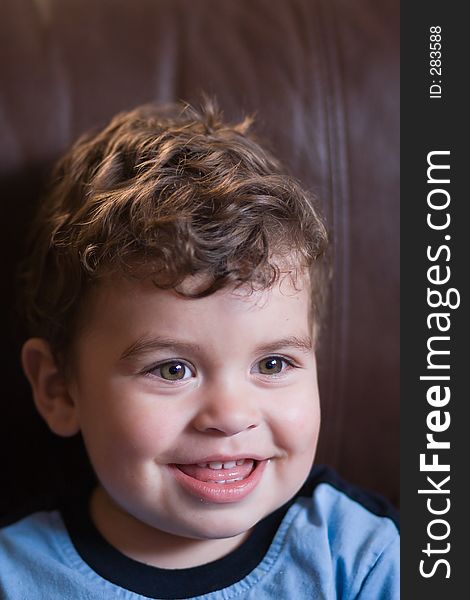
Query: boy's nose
point(226, 411)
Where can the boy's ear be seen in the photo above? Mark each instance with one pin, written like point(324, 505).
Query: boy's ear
point(50, 391)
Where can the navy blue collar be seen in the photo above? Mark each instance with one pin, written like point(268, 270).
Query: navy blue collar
point(155, 582)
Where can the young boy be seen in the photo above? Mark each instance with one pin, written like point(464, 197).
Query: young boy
point(173, 296)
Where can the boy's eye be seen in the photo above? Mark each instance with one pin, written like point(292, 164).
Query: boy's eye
point(271, 365)
point(172, 371)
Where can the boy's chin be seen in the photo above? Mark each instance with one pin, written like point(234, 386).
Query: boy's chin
point(224, 533)
point(223, 528)
point(218, 525)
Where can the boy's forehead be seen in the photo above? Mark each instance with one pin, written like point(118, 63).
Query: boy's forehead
point(118, 291)
point(121, 312)
point(292, 275)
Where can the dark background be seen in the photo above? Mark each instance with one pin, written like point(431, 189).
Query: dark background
point(322, 78)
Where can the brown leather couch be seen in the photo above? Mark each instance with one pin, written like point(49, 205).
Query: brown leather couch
point(322, 78)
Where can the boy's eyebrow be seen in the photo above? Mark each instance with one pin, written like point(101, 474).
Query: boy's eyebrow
point(144, 345)
point(304, 344)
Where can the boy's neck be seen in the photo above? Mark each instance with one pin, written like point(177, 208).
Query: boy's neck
point(151, 546)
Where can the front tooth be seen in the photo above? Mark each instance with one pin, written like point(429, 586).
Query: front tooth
point(230, 464)
point(215, 465)
point(240, 462)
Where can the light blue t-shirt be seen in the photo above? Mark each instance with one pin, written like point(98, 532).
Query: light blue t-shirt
point(336, 543)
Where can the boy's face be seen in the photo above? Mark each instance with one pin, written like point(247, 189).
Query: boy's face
point(164, 384)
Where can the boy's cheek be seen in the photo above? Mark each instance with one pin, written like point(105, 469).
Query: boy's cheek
point(299, 428)
point(130, 436)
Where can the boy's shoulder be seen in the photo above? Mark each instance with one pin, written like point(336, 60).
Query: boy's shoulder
point(333, 540)
point(338, 541)
point(326, 493)
point(355, 531)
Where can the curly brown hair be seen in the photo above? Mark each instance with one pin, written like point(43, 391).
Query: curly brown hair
point(166, 192)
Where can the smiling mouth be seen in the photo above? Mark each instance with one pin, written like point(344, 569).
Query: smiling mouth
point(220, 482)
point(220, 472)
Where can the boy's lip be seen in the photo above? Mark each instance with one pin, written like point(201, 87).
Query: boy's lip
point(217, 493)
